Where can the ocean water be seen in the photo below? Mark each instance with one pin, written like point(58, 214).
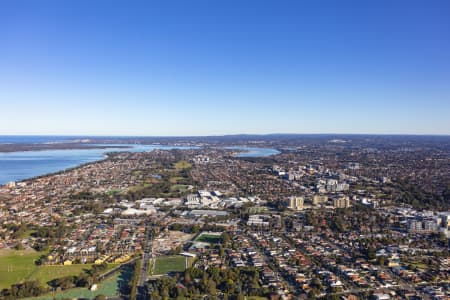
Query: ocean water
point(254, 151)
point(16, 166)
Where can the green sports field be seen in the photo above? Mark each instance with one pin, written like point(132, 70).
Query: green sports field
point(109, 287)
point(17, 266)
point(182, 165)
point(166, 264)
point(208, 238)
point(46, 273)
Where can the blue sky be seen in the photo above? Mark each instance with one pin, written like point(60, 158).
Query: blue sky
point(224, 67)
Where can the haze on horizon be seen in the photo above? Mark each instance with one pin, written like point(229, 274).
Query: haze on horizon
point(148, 68)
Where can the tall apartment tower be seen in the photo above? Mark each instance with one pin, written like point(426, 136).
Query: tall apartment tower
point(318, 199)
point(343, 202)
point(296, 203)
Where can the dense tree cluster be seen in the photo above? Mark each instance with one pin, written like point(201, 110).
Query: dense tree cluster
point(22, 290)
point(194, 283)
point(132, 285)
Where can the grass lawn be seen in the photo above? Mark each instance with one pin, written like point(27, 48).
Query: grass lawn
point(46, 273)
point(209, 238)
point(16, 265)
point(114, 191)
point(167, 264)
point(175, 179)
point(27, 234)
point(139, 187)
point(179, 188)
point(109, 287)
point(256, 209)
point(419, 265)
point(182, 165)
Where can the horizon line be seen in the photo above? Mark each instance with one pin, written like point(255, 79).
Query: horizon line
point(227, 135)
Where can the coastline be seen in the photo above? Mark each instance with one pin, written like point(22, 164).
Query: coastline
point(10, 148)
point(33, 163)
point(106, 157)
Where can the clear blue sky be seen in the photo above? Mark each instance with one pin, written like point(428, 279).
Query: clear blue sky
point(224, 67)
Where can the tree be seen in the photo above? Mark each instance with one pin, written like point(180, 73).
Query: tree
point(165, 293)
point(226, 238)
point(381, 260)
point(316, 283)
point(371, 253)
point(211, 287)
point(195, 229)
point(22, 290)
point(312, 294)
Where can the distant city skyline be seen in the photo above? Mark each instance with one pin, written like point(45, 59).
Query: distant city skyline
point(201, 68)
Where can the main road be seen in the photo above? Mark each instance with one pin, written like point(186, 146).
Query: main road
point(141, 289)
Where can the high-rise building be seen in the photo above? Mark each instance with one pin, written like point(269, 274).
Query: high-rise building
point(318, 199)
point(343, 202)
point(296, 203)
point(430, 225)
point(10, 184)
point(445, 220)
point(414, 225)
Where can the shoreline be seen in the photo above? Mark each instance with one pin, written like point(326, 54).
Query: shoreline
point(238, 152)
point(106, 157)
point(11, 148)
